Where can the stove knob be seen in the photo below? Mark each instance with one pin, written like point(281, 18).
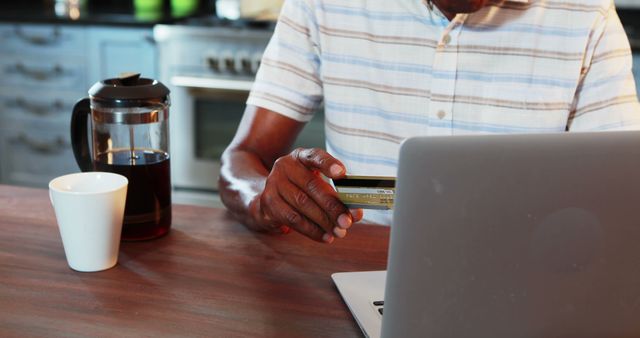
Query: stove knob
point(213, 61)
point(229, 62)
point(243, 62)
point(255, 62)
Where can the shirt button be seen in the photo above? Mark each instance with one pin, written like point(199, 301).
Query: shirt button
point(446, 39)
point(441, 114)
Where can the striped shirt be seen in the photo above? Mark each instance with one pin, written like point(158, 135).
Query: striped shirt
point(390, 69)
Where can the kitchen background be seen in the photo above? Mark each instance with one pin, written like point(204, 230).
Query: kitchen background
point(206, 51)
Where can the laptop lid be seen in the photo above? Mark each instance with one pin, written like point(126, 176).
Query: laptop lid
point(516, 236)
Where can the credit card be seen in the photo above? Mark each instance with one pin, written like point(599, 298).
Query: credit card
point(367, 192)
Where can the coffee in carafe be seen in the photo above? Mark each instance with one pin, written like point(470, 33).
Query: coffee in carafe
point(129, 136)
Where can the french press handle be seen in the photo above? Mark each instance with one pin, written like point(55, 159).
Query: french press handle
point(80, 134)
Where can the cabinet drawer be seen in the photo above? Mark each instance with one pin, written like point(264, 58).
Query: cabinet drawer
point(46, 72)
point(34, 158)
point(43, 39)
point(47, 106)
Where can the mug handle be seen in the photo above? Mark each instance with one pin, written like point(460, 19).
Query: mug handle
point(80, 134)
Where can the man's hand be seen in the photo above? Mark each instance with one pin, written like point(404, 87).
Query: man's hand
point(296, 197)
point(269, 189)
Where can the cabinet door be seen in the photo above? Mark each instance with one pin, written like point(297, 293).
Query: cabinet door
point(114, 50)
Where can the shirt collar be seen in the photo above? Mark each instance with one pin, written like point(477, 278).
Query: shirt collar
point(437, 10)
point(521, 1)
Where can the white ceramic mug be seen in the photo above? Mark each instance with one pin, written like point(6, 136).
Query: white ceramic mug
point(89, 208)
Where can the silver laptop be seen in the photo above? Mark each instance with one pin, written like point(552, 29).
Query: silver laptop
point(509, 236)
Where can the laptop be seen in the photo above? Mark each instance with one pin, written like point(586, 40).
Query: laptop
point(509, 236)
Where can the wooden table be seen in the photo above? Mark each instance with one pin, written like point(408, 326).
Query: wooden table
point(210, 277)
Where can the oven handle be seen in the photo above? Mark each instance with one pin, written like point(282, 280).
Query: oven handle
point(205, 83)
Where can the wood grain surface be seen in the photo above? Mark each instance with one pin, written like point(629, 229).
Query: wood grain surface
point(209, 277)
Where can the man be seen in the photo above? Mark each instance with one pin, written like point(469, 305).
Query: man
point(388, 70)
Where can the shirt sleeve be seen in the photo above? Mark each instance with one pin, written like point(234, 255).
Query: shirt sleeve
point(606, 97)
point(288, 81)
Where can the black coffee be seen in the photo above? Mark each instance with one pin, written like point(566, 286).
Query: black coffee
point(148, 207)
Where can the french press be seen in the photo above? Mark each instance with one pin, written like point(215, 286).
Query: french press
point(129, 136)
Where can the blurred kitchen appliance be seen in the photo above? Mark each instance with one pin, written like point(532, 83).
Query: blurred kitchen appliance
point(70, 8)
point(210, 65)
point(259, 10)
point(129, 136)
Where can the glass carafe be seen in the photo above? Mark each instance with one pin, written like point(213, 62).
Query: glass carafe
point(129, 136)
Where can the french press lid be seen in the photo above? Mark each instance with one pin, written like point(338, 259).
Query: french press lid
point(114, 100)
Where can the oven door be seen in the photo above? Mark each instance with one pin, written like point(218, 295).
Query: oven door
point(204, 117)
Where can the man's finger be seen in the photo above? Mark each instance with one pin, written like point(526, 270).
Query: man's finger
point(322, 194)
point(356, 214)
point(305, 205)
point(315, 158)
point(284, 214)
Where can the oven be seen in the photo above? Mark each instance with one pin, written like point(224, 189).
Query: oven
point(635, 48)
point(210, 71)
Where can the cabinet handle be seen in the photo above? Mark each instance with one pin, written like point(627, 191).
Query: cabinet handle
point(40, 75)
point(43, 147)
point(39, 40)
point(39, 109)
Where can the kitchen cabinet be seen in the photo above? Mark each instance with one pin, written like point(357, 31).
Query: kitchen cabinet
point(113, 51)
point(34, 145)
point(44, 70)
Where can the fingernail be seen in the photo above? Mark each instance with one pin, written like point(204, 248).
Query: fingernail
point(356, 215)
point(340, 233)
point(327, 238)
point(336, 170)
point(344, 221)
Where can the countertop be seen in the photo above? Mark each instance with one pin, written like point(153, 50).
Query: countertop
point(209, 277)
